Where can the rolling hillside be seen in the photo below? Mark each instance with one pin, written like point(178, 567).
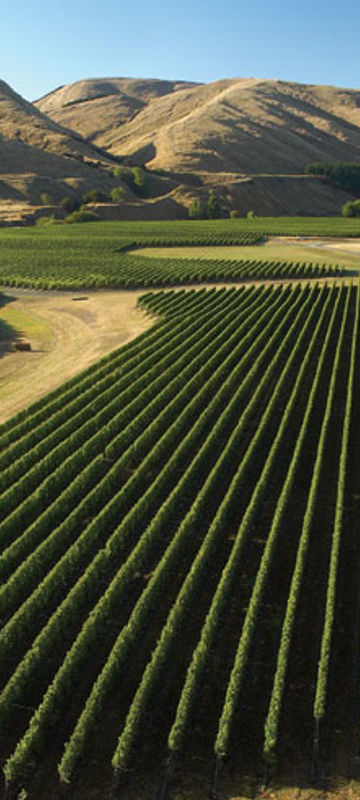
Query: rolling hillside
point(249, 139)
point(248, 126)
point(37, 154)
point(93, 107)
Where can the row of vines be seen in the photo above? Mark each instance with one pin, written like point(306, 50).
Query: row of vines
point(105, 256)
point(176, 547)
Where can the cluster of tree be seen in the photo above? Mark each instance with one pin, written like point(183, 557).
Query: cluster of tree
point(45, 199)
point(94, 196)
point(351, 209)
point(71, 204)
point(82, 215)
point(210, 209)
point(344, 174)
point(75, 206)
point(234, 214)
point(135, 178)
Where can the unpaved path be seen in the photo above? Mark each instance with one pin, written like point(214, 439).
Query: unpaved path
point(351, 246)
point(66, 335)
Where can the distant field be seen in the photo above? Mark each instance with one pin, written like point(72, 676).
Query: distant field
point(269, 250)
point(179, 556)
point(199, 229)
point(277, 226)
point(97, 254)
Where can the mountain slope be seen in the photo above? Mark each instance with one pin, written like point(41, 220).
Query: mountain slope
point(247, 126)
point(95, 106)
point(21, 123)
point(38, 155)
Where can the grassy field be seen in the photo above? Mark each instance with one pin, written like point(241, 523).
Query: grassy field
point(271, 250)
point(65, 336)
point(26, 324)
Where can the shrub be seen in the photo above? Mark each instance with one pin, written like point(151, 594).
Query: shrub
point(82, 216)
point(45, 198)
point(117, 194)
point(46, 220)
point(70, 204)
point(196, 210)
point(140, 181)
point(213, 210)
point(234, 214)
point(351, 209)
point(119, 172)
point(95, 196)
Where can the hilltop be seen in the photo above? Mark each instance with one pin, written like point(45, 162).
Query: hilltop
point(247, 126)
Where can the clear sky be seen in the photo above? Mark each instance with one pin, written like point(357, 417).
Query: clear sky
point(46, 44)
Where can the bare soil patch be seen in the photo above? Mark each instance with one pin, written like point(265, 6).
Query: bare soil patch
point(351, 246)
point(65, 336)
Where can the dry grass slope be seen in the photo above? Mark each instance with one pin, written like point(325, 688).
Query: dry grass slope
point(247, 126)
point(37, 154)
point(250, 139)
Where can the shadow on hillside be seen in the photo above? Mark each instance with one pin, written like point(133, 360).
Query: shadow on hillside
point(8, 334)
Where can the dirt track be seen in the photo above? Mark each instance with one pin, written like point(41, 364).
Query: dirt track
point(340, 245)
point(66, 335)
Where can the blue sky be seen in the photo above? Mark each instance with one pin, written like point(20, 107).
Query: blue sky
point(46, 44)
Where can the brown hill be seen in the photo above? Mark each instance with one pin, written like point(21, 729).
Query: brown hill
point(247, 126)
point(95, 106)
point(36, 150)
point(249, 139)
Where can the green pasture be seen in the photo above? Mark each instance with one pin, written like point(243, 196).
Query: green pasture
point(23, 322)
point(272, 251)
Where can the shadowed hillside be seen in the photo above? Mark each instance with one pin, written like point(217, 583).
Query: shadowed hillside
point(34, 149)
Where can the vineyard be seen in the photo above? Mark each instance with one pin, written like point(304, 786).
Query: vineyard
point(179, 598)
point(103, 254)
